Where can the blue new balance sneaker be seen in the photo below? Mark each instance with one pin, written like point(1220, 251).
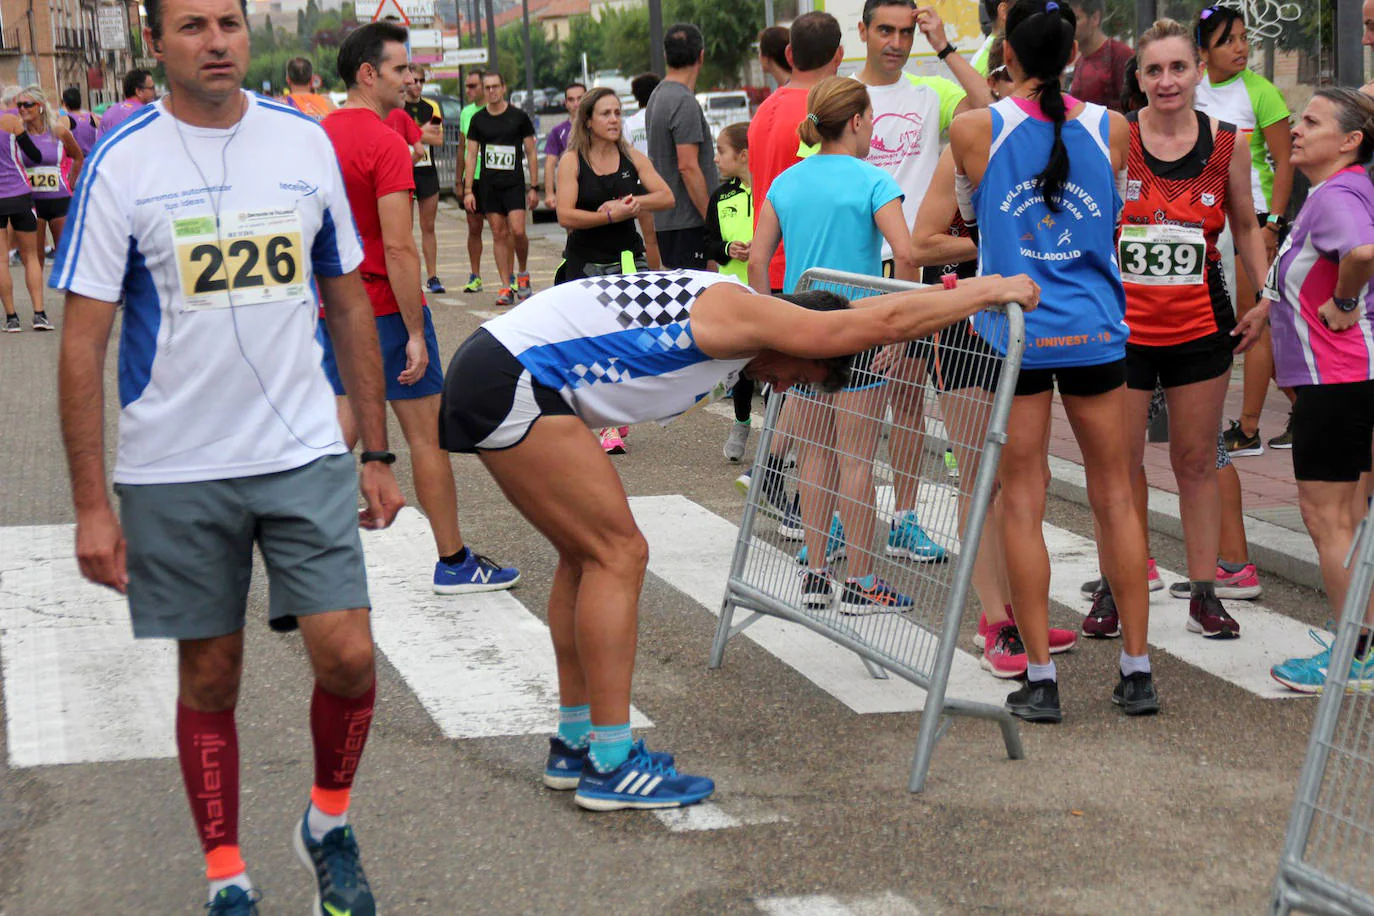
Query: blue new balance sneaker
point(834, 543)
point(338, 868)
point(234, 901)
point(1308, 675)
point(475, 574)
point(644, 780)
point(908, 540)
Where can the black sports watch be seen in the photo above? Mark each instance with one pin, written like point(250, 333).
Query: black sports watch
point(948, 50)
point(1346, 305)
point(383, 457)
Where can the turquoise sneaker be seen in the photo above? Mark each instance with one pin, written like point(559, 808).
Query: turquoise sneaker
point(834, 544)
point(908, 540)
point(1308, 675)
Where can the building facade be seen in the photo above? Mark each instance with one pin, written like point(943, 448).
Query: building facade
point(57, 44)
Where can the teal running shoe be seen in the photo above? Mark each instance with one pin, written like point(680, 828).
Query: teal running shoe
point(834, 544)
point(908, 540)
point(1308, 675)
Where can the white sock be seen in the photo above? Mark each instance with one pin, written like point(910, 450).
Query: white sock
point(1132, 664)
point(239, 880)
point(319, 823)
point(1036, 672)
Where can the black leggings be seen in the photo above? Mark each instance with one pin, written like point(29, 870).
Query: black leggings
point(744, 398)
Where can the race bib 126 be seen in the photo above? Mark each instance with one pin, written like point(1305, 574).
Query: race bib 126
point(1162, 255)
point(254, 258)
point(45, 178)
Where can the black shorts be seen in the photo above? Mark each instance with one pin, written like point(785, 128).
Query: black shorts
point(500, 200)
point(490, 400)
point(683, 248)
point(963, 359)
point(1074, 381)
point(51, 208)
point(1177, 365)
point(18, 212)
point(426, 182)
point(574, 268)
point(1333, 431)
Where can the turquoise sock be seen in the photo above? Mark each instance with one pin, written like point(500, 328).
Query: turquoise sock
point(574, 725)
point(610, 746)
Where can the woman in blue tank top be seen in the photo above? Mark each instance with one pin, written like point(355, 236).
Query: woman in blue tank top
point(1042, 169)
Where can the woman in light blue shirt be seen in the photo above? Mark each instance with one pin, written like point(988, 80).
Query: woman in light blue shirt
point(834, 210)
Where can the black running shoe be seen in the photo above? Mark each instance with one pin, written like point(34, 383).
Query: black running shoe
point(1135, 694)
point(1036, 701)
point(1240, 445)
point(342, 884)
point(817, 591)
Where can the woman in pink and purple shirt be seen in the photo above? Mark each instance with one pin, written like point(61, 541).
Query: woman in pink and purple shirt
point(1319, 301)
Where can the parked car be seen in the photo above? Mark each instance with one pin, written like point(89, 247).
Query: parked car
point(724, 108)
point(446, 156)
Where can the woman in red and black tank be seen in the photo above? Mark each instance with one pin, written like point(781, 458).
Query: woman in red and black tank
point(1186, 175)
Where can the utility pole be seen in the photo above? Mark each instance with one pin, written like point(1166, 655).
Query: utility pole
point(656, 61)
point(529, 56)
point(1349, 51)
point(491, 39)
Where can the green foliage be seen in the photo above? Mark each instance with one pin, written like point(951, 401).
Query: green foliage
point(624, 42)
point(510, 56)
point(272, 68)
point(730, 30)
point(584, 36)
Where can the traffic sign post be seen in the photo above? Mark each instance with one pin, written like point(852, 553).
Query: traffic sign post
point(405, 10)
point(465, 57)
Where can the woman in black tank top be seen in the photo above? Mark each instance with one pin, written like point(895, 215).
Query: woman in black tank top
point(603, 186)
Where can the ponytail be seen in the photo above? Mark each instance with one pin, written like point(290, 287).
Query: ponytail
point(830, 105)
point(1042, 35)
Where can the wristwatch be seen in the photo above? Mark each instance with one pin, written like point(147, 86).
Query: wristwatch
point(1276, 221)
point(383, 457)
point(1346, 305)
point(948, 50)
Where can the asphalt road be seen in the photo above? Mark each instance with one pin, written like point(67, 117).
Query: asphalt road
point(1180, 813)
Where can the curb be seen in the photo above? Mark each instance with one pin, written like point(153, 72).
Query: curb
point(1273, 548)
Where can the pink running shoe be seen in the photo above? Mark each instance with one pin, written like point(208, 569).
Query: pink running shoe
point(1243, 584)
point(1060, 640)
point(1005, 656)
point(624, 431)
point(1152, 575)
point(611, 441)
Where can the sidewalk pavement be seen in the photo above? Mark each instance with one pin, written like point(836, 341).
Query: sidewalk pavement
point(1279, 542)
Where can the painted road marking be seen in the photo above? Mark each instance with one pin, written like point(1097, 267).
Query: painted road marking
point(888, 904)
point(78, 688)
point(712, 816)
point(481, 665)
point(690, 548)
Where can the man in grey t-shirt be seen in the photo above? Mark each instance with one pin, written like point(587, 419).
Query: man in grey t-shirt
point(681, 150)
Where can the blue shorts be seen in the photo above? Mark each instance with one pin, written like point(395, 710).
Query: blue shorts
point(393, 336)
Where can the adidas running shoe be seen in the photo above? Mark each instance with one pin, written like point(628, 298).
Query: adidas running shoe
point(338, 867)
point(872, 595)
point(908, 540)
point(1308, 675)
point(644, 780)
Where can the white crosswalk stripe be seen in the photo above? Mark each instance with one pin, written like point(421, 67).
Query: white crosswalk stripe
point(482, 665)
point(888, 904)
point(78, 688)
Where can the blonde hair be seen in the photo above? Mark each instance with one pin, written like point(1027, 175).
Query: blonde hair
point(1167, 28)
point(829, 106)
point(580, 139)
point(38, 95)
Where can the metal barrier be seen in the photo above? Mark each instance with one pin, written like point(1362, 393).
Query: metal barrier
point(892, 442)
point(1327, 864)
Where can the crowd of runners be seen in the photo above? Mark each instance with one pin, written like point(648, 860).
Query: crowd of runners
point(273, 303)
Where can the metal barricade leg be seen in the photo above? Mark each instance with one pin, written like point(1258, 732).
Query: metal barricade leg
point(1303, 884)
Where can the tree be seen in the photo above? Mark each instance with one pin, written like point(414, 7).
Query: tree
point(510, 55)
point(624, 40)
point(730, 30)
point(584, 37)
